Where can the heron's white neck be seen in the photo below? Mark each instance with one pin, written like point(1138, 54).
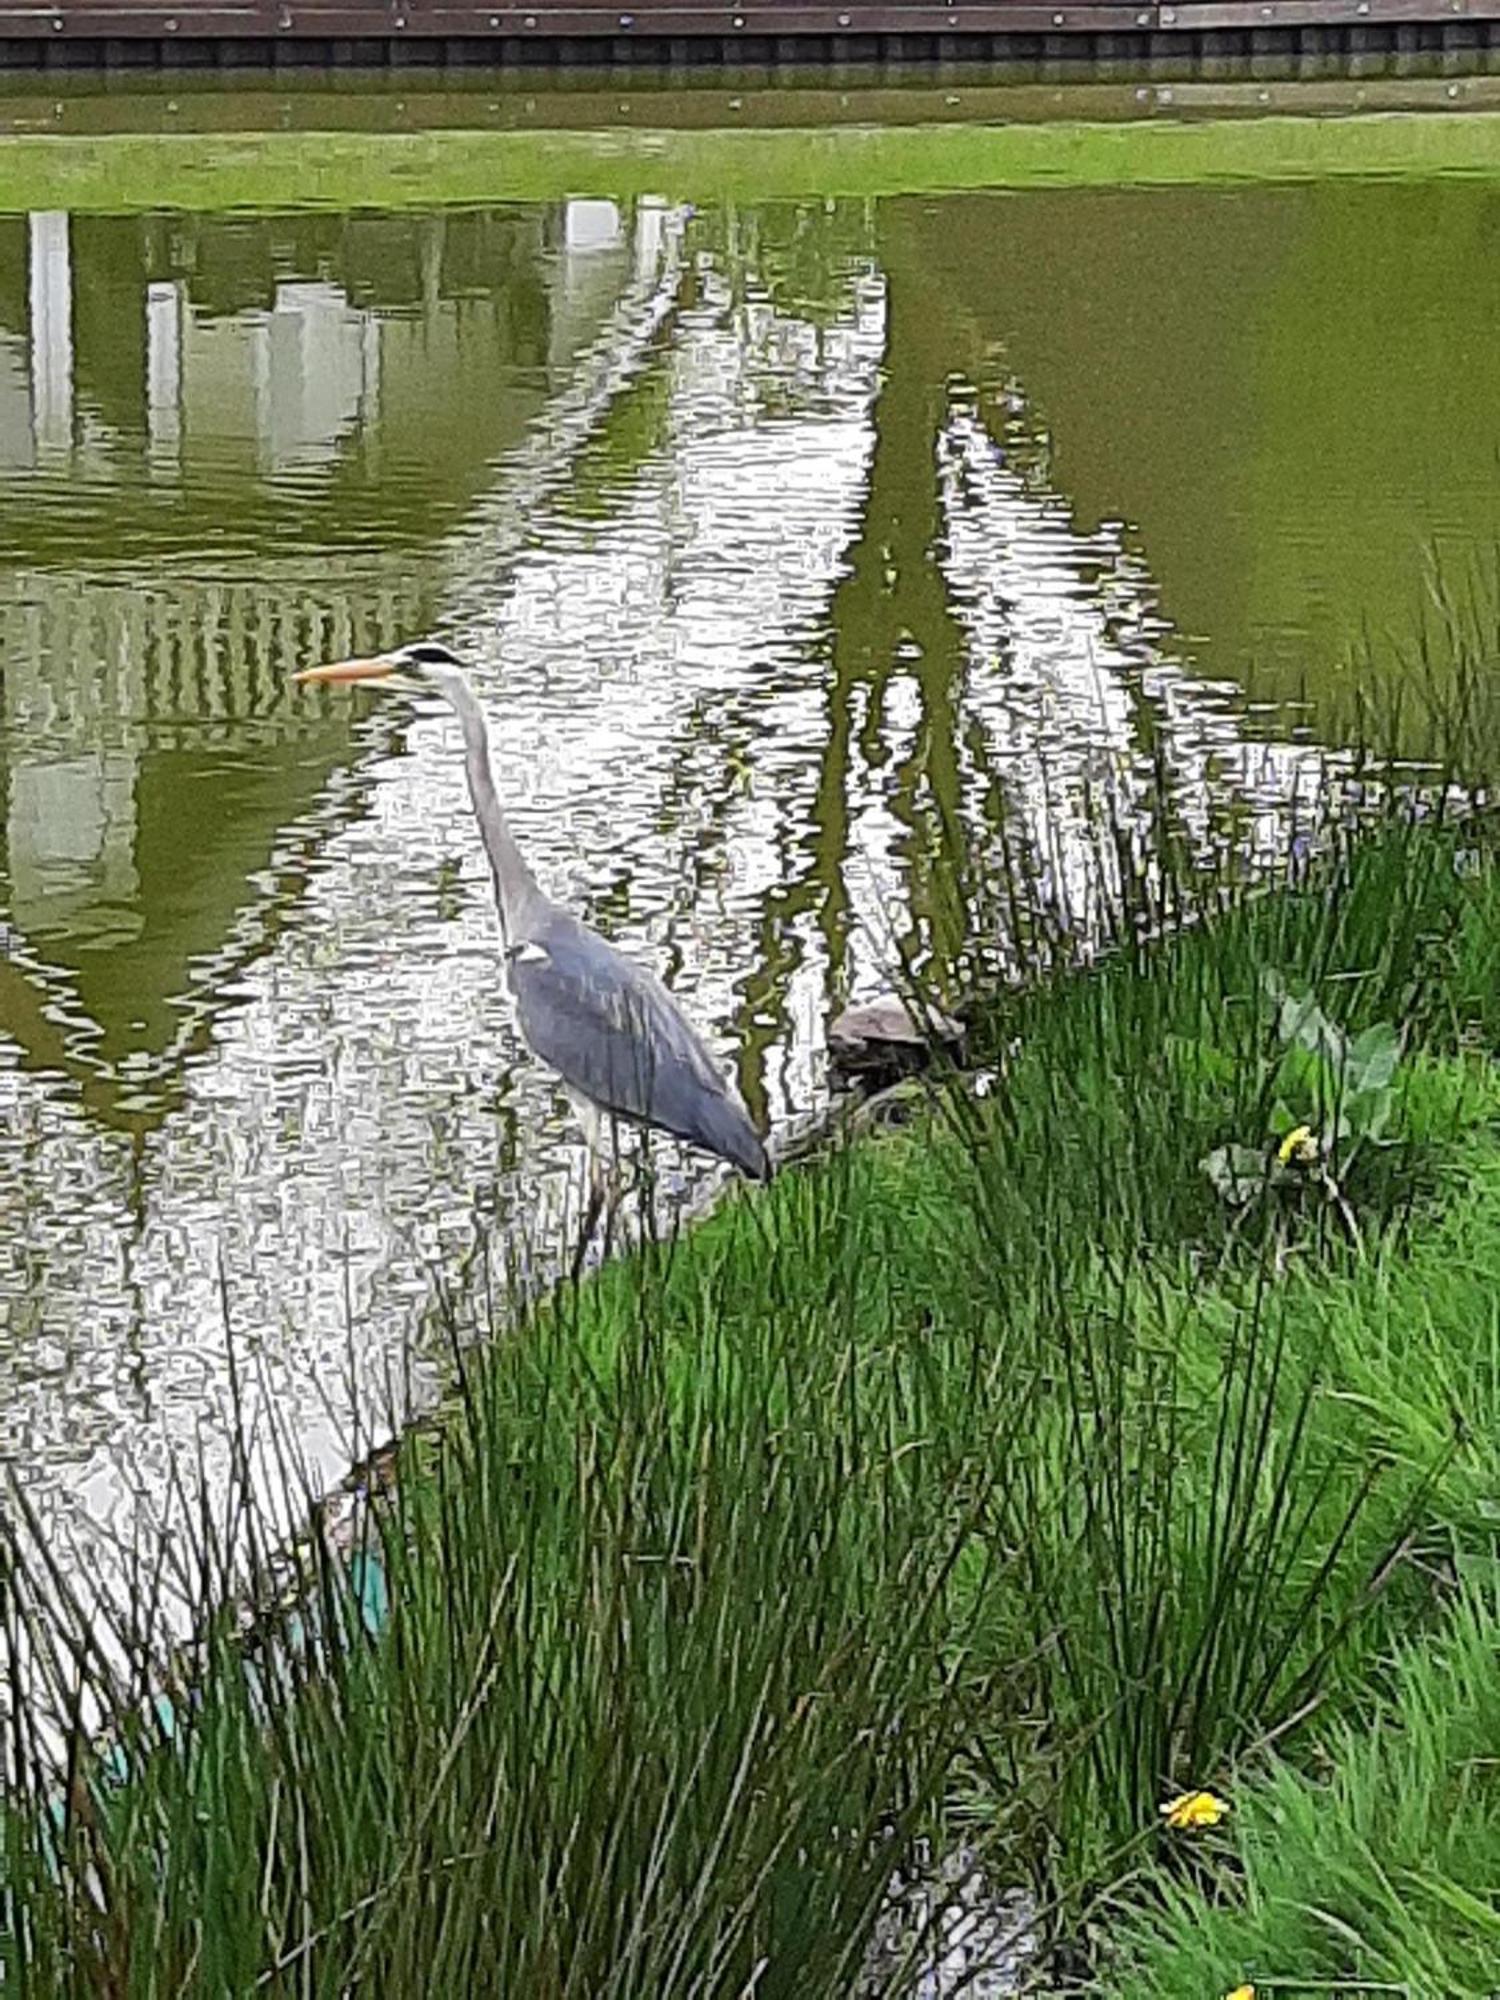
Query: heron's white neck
point(516, 890)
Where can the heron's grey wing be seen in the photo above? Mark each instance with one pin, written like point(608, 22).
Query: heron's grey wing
point(614, 1033)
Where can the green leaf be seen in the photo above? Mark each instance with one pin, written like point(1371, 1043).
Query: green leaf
point(1368, 1112)
point(1305, 1078)
point(1373, 1057)
point(1303, 1023)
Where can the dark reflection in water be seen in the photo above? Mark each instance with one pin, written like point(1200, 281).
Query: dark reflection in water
point(1285, 391)
point(790, 549)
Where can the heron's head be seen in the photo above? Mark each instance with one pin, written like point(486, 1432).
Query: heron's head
point(422, 664)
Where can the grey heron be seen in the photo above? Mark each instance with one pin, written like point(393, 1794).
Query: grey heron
point(622, 1046)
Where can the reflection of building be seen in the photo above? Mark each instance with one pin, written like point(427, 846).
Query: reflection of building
point(36, 367)
point(17, 439)
point(70, 838)
point(292, 383)
point(206, 342)
point(262, 432)
point(51, 334)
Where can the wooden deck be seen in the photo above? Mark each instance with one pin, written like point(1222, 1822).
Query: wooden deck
point(229, 33)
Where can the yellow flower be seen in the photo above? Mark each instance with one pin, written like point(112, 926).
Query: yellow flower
point(1194, 1809)
point(1300, 1144)
point(1245, 1992)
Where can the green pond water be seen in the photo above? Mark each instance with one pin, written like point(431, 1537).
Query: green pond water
point(803, 549)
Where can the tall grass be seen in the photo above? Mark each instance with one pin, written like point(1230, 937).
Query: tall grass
point(655, 1705)
point(1374, 1873)
point(992, 1478)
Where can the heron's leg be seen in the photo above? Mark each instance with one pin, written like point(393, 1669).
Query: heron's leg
point(596, 1140)
point(613, 1176)
point(609, 1186)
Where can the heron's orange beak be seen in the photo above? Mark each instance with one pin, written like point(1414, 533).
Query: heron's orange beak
point(349, 670)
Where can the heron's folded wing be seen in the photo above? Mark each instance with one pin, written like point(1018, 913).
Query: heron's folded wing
point(614, 1033)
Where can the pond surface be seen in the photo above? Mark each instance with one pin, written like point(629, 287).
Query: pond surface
point(801, 553)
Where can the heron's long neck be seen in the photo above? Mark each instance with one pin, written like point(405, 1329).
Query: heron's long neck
point(516, 889)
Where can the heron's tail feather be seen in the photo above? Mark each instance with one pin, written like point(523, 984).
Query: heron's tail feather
point(726, 1130)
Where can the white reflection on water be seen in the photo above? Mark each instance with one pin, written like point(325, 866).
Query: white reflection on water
point(365, 1109)
point(1067, 668)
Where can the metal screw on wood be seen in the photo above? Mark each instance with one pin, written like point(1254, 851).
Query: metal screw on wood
point(56, 22)
point(627, 20)
point(843, 20)
point(494, 20)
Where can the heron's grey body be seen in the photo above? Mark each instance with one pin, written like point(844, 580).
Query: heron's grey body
point(610, 1029)
point(616, 1037)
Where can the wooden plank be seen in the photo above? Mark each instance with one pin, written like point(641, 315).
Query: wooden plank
point(420, 19)
point(130, 22)
point(448, 16)
point(1205, 15)
point(780, 17)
